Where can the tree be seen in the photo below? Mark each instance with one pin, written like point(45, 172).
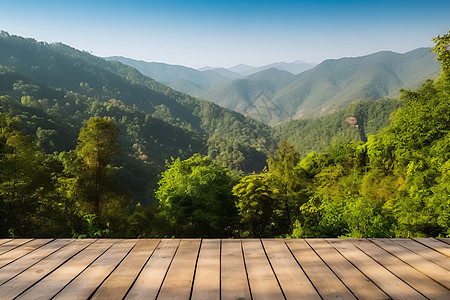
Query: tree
point(195, 198)
point(25, 182)
point(285, 180)
point(258, 206)
point(97, 146)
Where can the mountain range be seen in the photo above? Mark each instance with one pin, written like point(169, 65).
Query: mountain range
point(53, 88)
point(276, 93)
point(196, 82)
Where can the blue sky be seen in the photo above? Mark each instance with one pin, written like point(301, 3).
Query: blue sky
point(226, 33)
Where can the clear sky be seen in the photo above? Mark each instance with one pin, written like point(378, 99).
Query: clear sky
point(201, 33)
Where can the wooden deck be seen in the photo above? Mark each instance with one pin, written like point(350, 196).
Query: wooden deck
point(225, 269)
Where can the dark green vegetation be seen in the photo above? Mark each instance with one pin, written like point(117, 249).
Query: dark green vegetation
point(84, 145)
point(51, 90)
point(353, 123)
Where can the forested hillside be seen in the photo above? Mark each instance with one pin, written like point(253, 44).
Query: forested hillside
point(355, 122)
point(394, 185)
point(49, 91)
point(92, 148)
point(79, 85)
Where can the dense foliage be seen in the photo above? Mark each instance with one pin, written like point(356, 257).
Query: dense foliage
point(82, 164)
point(195, 199)
point(354, 123)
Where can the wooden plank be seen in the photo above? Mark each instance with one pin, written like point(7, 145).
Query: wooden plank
point(234, 282)
point(445, 240)
point(20, 251)
point(2, 241)
point(57, 280)
point(427, 253)
point(294, 283)
point(23, 263)
point(149, 281)
point(356, 281)
point(262, 280)
point(118, 283)
point(435, 244)
point(389, 283)
point(426, 286)
point(207, 274)
point(26, 279)
point(9, 245)
point(327, 284)
point(179, 278)
point(87, 282)
point(430, 269)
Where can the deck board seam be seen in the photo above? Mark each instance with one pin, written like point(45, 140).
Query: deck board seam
point(328, 266)
point(112, 271)
point(28, 267)
point(195, 268)
point(303, 270)
point(413, 251)
point(70, 281)
point(62, 288)
point(418, 241)
point(220, 270)
point(25, 253)
point(56, 268)
point(140, 271)
point(168, 268)
point(271, 267)
point(17, 246)
point(417, 269)
point(404, 263)
point(246, 272)
point(361, 270)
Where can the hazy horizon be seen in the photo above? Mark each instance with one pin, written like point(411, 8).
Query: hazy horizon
point(224, 34)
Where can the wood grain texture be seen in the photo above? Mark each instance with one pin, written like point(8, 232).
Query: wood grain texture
point(207, 274)
point(179, 279)
point(20, 265)
point(421, 264)
point(435, 244)
point(22, 250)
point(326, 282)
point(57, 280)
point(388, 282)
point(233, 273)
point(353, 278)
point(224, 269)
point(118, 283)
point(11, 244)
point(293, 281)
point(83, 286)
point(2, 241)
point(426, 286)
point(36, 272)
point(426, 252)
point(149, 281)
point(262, 280)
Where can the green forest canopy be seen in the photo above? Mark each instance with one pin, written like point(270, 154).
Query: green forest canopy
point(395, 184)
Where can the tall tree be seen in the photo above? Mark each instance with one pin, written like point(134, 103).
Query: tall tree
point(97, 146)
point(284, 177)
